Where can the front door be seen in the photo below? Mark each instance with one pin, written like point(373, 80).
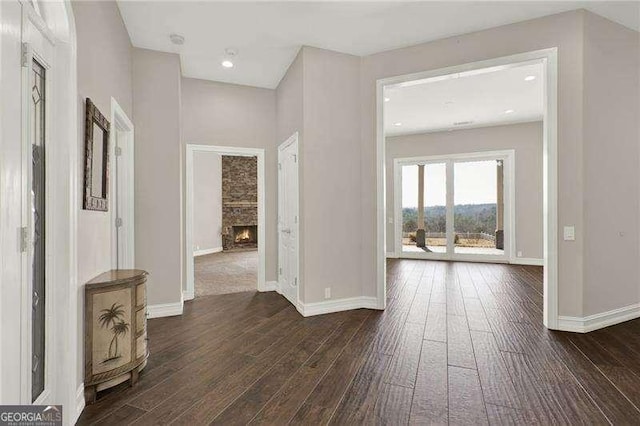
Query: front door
point(288, 219)
point(36, 60)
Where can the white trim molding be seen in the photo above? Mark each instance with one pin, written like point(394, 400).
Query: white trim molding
point(164, 310)
point(392, 255)
point(188, 295)
point(527, 261)
point(598, 321)
point(197, 253)
point(79, 403)
point(338, 305)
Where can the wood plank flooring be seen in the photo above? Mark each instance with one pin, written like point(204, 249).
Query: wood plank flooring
point(459, 343)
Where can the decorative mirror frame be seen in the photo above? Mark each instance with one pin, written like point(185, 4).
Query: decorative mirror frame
point(94, 116)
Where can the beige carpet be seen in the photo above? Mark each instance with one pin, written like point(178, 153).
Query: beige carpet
point(226, 272)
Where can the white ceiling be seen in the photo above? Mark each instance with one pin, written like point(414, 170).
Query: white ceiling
point(268, 35)
point(481, 99)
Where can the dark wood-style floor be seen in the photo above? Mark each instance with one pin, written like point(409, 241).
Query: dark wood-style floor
point(459, 343)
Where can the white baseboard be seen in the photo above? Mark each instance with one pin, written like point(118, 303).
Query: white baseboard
point(79, 403)
point(164, 310)
point(527, 261)
point(598, 321)
point(188, 295)
point(270, 286)
point(197, 253)
point(329, 306)
point(391, 255)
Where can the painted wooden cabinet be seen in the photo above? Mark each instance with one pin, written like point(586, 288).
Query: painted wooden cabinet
point(115, 329)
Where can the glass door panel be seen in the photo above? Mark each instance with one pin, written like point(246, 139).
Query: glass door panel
point(478, 207)
point(424, 211)
point(38, 314)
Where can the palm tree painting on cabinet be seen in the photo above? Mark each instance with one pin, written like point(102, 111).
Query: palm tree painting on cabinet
point(113, 317)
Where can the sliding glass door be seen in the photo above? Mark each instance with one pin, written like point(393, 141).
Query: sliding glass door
point(455, 207)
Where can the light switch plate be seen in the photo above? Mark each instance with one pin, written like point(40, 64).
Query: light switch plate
point(569, 233)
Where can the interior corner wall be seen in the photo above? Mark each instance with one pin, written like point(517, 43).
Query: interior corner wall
point(207, 201)
point(158, 173)
point(524, 138)
point(104, 70)
point(289, 118)
point(330, 187)
point(231, 115)
point(611, 163)
point(564, 31)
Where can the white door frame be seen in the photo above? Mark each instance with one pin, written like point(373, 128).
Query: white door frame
point(292, 140)
point(549, 59)
point(188, 292)
point(509, 205)
point(122, 129)
point(122, 254)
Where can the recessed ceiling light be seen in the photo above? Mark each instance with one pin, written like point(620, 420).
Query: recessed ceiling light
point(227, 64)
point(398, 124)
point(530, 78)
point(509, 111)
point(387, 99)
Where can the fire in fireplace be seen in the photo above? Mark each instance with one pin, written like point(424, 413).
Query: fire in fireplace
point(245, 234)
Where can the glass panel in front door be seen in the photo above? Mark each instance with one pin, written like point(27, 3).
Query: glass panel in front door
point(38, 314)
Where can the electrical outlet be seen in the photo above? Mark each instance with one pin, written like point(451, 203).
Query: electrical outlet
point(519, 254)
point(327, 293)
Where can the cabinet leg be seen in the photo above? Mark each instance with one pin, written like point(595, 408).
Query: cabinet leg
point(90, 394)
point(134, 376)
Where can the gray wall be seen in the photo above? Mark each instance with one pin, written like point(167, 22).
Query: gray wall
point(158, 175)
point(525, 139)
point(329, 189)
point(207, 201)
point(610, 175)
point(236, 116)
point(104, 71)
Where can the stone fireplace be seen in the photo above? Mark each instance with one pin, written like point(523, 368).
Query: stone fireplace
point(239, 202)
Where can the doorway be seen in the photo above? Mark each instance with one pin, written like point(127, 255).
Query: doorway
point(288, 226)
point(547, 59)
point(455, 207)
point(234, 226)
point(122, 188)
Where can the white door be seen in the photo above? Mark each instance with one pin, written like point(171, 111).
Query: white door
point(288, 219)
point(121, 196)
point(123, 199)
point(37, 57)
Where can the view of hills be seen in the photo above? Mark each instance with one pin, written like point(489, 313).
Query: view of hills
point(467, 218)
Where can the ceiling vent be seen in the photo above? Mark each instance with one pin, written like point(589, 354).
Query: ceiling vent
point(462, 123)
